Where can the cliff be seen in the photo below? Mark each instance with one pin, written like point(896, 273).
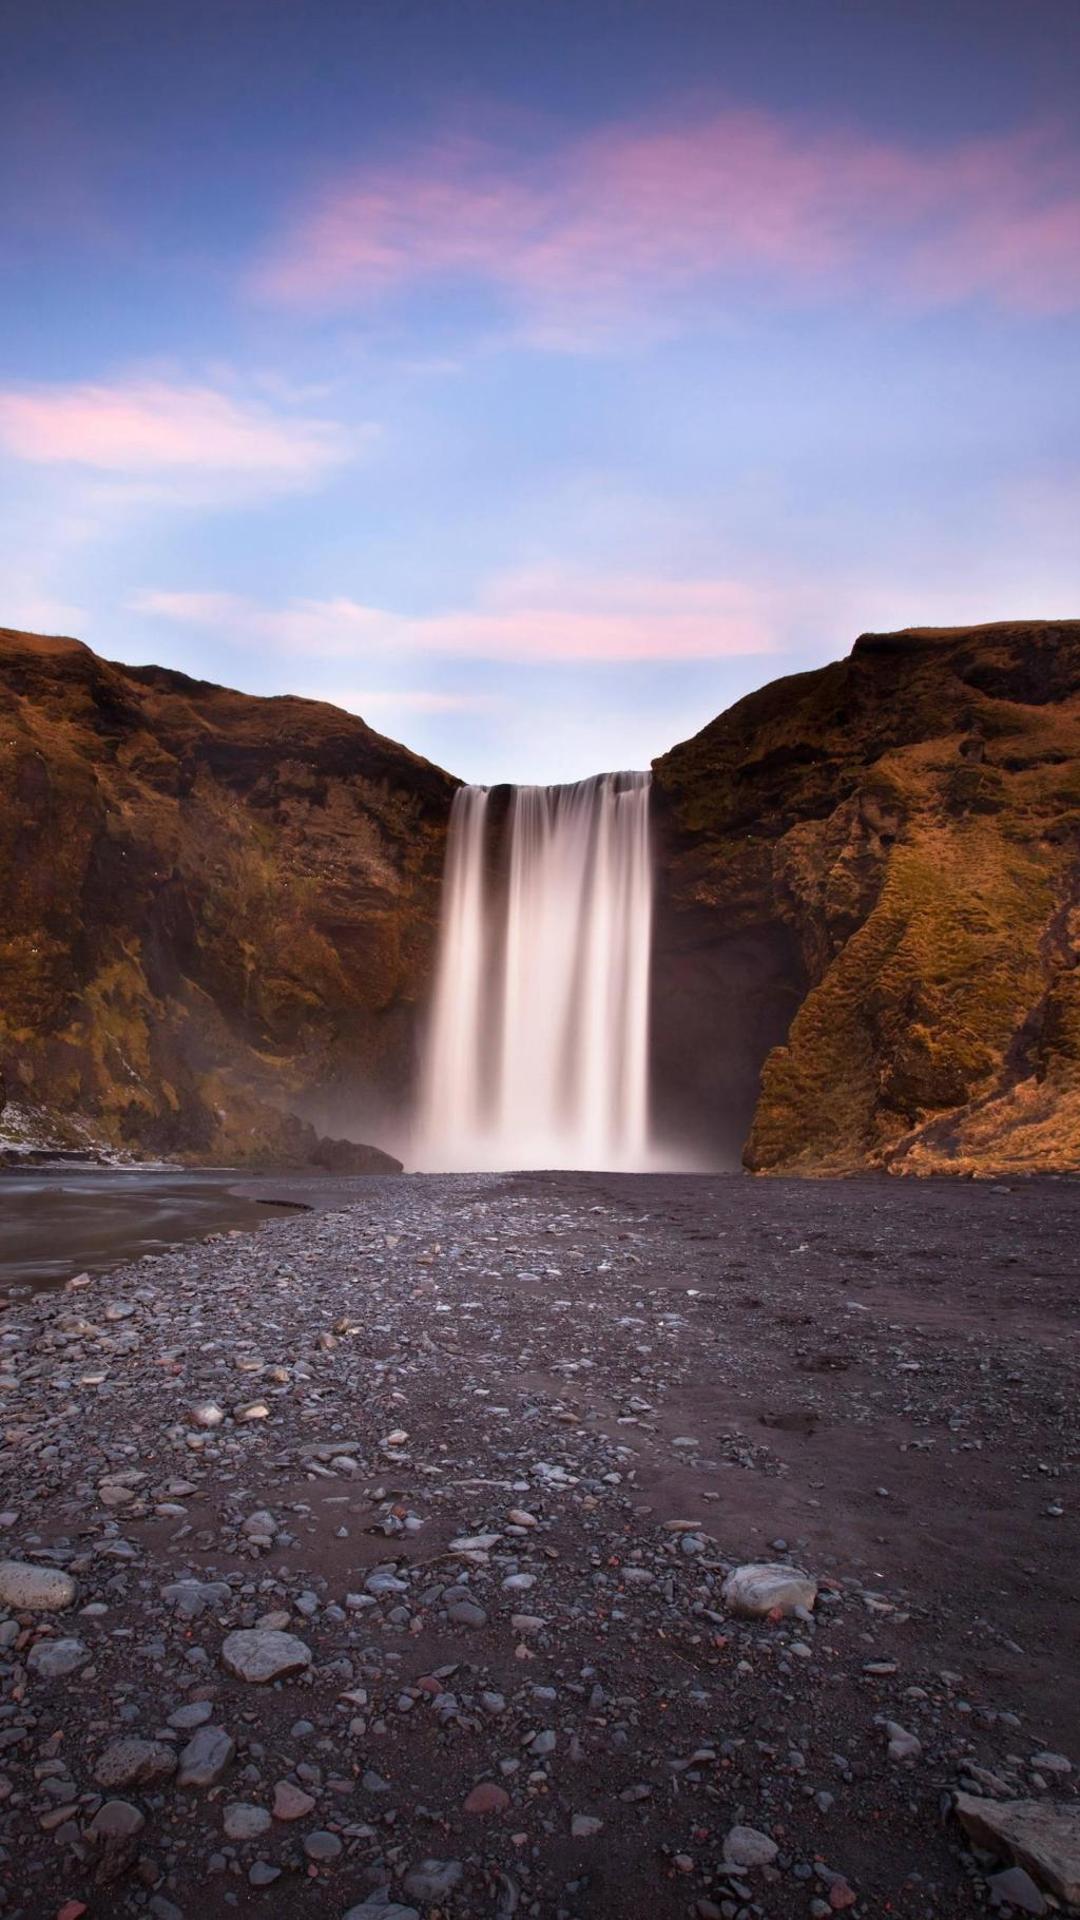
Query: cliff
point(884, 856)
point(216, 912)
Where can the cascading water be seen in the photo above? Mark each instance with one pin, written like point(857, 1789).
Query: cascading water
point(537, 1053)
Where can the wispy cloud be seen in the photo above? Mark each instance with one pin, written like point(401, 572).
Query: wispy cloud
point(144, 430)
point(545, 615)
point(635, 216)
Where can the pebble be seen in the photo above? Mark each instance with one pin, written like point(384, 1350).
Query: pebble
point(434, 1880)
point(291, 1803)
point(323, 1847)
point(135, 1763)
point(206, 1758)
point(902, 1744)
point(486, 1798)
point(116, 1820)
point(55, 1659)
point(245, 1822)
point(746, 1847)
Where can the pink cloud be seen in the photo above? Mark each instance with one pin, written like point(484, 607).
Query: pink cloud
point(542, 615)
point(151, 426)
point(635, 216)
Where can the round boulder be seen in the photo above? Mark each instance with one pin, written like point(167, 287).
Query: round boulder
point(27, 1589)
point(765, 1587)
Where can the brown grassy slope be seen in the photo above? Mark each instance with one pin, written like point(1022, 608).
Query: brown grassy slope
point(209, 903)
point(914, 813)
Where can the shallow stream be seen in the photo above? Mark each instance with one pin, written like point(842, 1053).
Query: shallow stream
point(55, 1223)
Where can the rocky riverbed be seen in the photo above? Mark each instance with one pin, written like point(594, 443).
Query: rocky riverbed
point(385, 1562)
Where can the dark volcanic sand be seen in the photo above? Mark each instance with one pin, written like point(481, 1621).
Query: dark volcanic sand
point(879, 1375)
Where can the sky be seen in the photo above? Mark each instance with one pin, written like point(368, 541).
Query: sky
point(535, 377)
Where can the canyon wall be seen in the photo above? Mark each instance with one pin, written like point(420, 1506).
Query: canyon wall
point(886, 855)
point(216, 912)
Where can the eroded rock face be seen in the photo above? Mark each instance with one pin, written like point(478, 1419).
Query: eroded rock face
point(213, 909)
point(869, 909)
point(217, 911)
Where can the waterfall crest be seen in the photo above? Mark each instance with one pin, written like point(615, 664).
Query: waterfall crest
point(537, 1052)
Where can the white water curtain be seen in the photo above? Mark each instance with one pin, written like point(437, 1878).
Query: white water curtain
point(537, 1053)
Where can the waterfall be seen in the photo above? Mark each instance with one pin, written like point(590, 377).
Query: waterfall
point(537, 1051)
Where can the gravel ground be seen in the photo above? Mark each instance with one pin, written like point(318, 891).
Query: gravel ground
point(468, 1465)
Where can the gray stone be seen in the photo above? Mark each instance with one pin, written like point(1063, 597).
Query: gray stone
point(116, 1820)
point(322, 1846)
point(745, 1847)
point(190, 1598)
point(1016, 1888)
point(1041, 1835)
point(433, 1880)
point(205, 1758)
point(259, 1656)
point(244, 1822)
point(135, 1763)
point(1051, 1763)
point(764, 1587)
point(163, 1909)
point(263, 1874)
point(466, 1613)
point(377, 1909)
point(27, 1589)
point(902, 1744)
point(584, 1825)
point(195, 1714)
point(53, 1659)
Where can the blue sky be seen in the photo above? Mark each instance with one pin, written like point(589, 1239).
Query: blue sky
point(535, 379)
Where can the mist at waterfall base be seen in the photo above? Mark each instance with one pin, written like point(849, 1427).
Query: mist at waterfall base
point(537, 1049)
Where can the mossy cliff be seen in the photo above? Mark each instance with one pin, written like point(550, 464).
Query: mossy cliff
point(217, 913)
point(214, 909)
point(908, 820)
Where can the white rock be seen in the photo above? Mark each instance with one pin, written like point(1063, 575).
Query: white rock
point(764, 1587)
point(902, 1744)
point(258, 1655)
point(244, 1822)
point(746, 1847)
point(27, 1589)
point(207, 1415)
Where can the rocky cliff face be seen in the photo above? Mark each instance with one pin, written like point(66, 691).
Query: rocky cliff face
point(215, 911)
point(871, 885)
